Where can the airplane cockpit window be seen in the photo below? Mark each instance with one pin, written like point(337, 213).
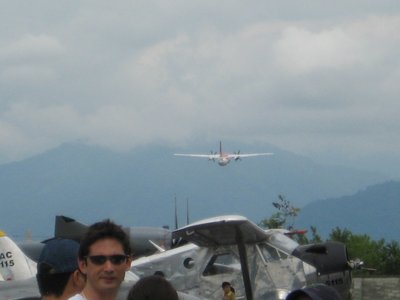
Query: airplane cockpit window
point(270, 253)
point(221, 264)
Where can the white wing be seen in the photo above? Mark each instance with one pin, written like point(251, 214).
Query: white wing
point(248, 155)
point(209, 156)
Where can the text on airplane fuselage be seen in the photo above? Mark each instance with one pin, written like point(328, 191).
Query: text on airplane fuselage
point(6, 260)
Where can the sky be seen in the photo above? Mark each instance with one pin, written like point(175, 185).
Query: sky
point(318, 78)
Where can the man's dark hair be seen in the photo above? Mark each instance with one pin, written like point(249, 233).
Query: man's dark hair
point(52, 284)
point(153, 287)
point(159, 273)
point(102, 230)
point(316, 291)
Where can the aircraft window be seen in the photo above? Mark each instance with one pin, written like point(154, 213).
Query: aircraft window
point(222, 264)
point(188, 263)
point(270, 253)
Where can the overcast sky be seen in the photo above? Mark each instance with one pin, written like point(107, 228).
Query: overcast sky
point(319, 78)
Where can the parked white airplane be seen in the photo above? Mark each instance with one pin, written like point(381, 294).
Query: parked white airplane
point(14, 264)
point(260, 264)
point(223, 158)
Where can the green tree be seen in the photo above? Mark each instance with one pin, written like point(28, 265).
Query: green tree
point(284, 217)
point(391, 258)
point(315, 237)
point(340, 235)
point(376, 254)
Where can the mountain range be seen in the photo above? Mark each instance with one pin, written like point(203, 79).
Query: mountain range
point(141, 187)
point(373, 211)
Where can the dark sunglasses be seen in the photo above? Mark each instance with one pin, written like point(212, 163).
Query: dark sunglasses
point(116, 259)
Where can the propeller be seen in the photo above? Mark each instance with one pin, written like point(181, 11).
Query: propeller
point(212, 153)
point(359, 265)
point(237, 157)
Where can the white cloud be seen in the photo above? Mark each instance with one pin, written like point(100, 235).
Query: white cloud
point(128, 74)
point(31, 47)
point(30, 60)
point(301, 51)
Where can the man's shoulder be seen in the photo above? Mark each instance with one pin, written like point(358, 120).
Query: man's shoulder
point(77, 297)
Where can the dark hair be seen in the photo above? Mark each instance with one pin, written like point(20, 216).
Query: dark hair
point(316, 291)
point(159, 273)
point(102, 230)
point(153, 287)
point(52, 284)
point(225, 283)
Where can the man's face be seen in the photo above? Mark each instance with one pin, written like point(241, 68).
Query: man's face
point(103, 276)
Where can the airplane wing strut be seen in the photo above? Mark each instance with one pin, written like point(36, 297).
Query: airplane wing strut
point(244, 264)
point(226, 230)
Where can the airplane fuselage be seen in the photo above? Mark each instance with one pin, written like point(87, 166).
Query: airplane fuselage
point(223, 160)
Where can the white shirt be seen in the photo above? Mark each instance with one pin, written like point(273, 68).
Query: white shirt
point(77, 297)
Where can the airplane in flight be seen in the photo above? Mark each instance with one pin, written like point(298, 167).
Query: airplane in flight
point(224, 158)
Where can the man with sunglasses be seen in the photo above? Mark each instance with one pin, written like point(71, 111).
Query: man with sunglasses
point(104, 257)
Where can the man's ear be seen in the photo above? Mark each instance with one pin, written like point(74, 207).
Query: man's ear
point(128, 263)
point(82, 266)
point(78, 281)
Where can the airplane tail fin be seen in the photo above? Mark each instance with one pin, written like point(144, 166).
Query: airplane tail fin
point(14, 264)
point(220, 148)
point(68, 228)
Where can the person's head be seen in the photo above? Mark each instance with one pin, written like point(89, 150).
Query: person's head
point(153, 287)
point(57, 269)
point(104, 257)
point(226, 286)
point(315, 292)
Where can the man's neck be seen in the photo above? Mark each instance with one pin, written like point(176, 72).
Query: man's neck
point(53, 297)
point(91, 294)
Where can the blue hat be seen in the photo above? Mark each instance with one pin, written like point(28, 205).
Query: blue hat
point(58, 256)
point(316, 292)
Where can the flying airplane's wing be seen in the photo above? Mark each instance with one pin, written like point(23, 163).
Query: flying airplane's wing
point(209, 156)
point(14, 264)
point(248, 155)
